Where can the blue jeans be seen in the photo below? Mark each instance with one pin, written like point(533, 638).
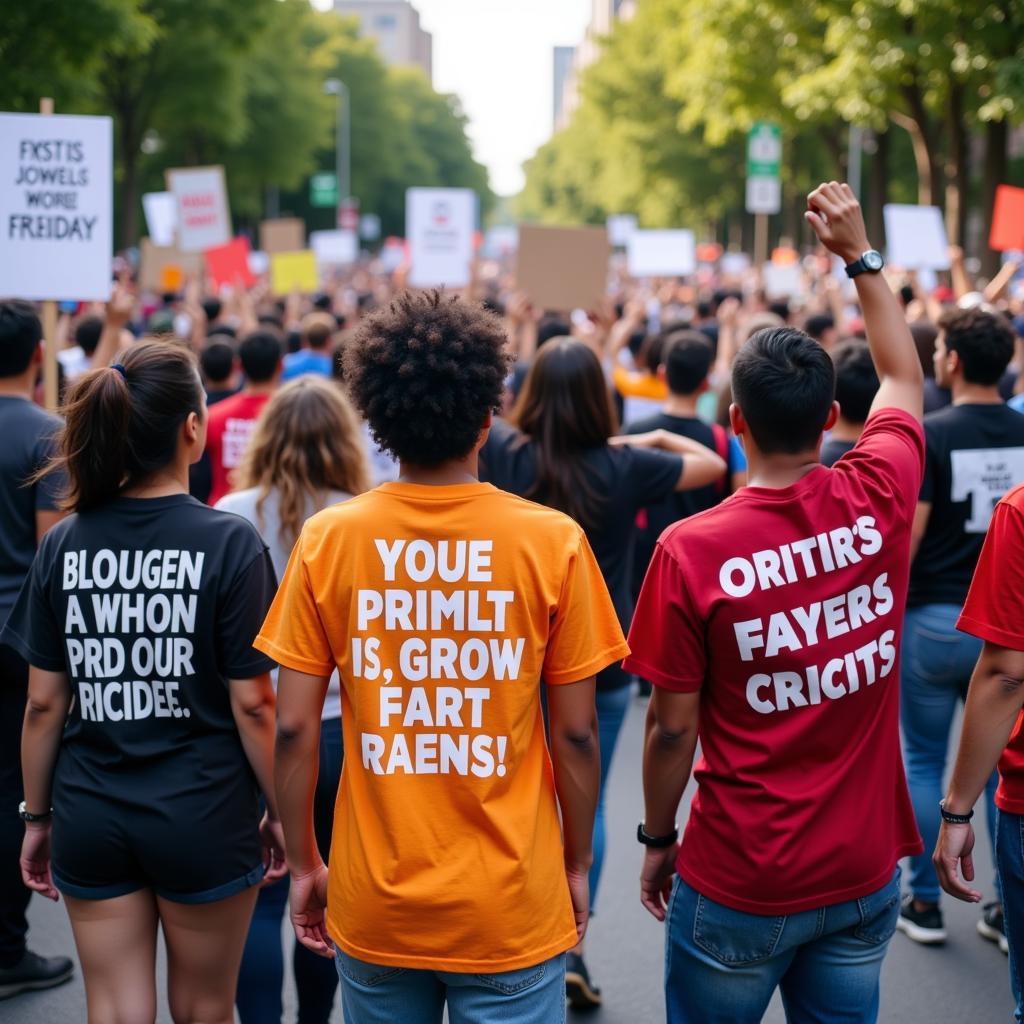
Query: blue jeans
point(260, 980)
point(1010, 865)
point(371, 994)
point(612, 706)
point(937, 663)
point(722, 966)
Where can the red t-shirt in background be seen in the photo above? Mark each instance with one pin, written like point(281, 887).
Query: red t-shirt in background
point(228, 432)
point(784, 608)
point(994, 611)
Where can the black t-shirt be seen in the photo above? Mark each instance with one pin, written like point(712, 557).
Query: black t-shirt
point(975, 454)
point(27, 433)
point(150, 605)
point(629, 478)
point(833, 450)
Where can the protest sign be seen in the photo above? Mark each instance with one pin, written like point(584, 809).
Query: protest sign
point(56, 214)
point(334, 248)
point(286, 234)
point(734, 263)
point(620, 227)
point(781, 280)
point(916, 237)
point(293, 271)
point(229, 264)
point(1007, 219)
point(661, 254)
point(439, 223)
point(204, 220)
point(259, 262)
point(500, 241)
point(392, 254)
point(162, 268)
point(563, 268)
point(161, 211)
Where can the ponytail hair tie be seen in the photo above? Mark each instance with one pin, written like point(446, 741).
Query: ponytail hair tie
point(121, 370)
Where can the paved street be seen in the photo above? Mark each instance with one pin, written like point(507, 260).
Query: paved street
point(965, 981)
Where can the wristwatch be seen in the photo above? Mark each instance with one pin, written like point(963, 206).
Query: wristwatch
point(870, 262)
point(657, 842)
point(27, 815)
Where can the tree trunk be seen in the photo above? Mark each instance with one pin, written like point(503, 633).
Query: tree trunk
point(878, 189)
point(956, 167)
point(128, 190)
point(996, 139)
point(918, 124)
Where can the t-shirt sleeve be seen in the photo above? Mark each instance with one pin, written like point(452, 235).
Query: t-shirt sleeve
point(585, 634)
point(890, 454)
point(927, 492)
point(653, 475)
point(32, 628)
point(51, 488)
point(240, 612)
point(667, 636)
point(293, 633)
point(994, 610)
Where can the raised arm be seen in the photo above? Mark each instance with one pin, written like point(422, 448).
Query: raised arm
point(835, 215)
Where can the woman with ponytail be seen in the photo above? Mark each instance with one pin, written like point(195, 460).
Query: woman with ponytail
point(149, 729)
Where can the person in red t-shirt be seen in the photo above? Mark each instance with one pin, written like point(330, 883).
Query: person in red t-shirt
point(770, 626)
point(232, 421)
point(993, 730)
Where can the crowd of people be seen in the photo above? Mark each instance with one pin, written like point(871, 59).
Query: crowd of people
point(321, 602)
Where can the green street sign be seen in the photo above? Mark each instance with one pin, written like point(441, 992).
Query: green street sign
point(764, 150)
point(323, 189)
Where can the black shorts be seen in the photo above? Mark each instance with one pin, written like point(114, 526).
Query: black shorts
point(185, 849)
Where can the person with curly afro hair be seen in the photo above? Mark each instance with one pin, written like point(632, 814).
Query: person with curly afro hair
point(463, 836)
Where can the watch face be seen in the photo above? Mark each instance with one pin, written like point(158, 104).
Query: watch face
point(872, 260)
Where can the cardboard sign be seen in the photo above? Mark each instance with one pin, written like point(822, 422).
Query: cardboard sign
point(334, 248)
point(1007, 219)
point(439, 223)
point(562, 268)
point(661, 254)
point(56, 214)
point(287, 234)
point(162, 268)
point(229, 264)
point(291, 271)
point(620, 227)
point(204, 220)
point(161, 217)
point(916, 237)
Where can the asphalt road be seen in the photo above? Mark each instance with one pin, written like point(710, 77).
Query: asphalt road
point(963, 982)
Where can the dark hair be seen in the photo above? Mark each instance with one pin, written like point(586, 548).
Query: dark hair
point(119, 428)
point(212, 307)
point(217, 360)
point(260, 353)
point(87, 333)
point(784, 383)
point(565, 407)
point(856, 379)
point(983, 340)
point(552, 325)
point(687, 359)
point(425, 371)
point(271, 320)
point(780, 307)
point(924, 335)
point(818, 324)
point(20, 334)
point(225, 329)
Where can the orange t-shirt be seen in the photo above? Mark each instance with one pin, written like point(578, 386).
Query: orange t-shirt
point(443, 609)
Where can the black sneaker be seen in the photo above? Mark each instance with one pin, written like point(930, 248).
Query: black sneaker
point(992, 925)
point(924, 926)
point(581, 992)
point(34, 972)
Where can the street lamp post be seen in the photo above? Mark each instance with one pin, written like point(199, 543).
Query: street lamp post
point(342, 150)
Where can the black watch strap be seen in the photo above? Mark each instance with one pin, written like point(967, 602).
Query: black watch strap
point(954, 819)
point(27, 815)
point(657, 842)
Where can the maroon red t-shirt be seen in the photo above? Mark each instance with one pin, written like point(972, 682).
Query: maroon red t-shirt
point(231, 425)
point(994, 611)
point(784, 608)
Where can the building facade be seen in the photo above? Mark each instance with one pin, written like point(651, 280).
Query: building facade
point(395, 25)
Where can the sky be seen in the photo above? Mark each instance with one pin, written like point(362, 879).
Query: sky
point(496, 55)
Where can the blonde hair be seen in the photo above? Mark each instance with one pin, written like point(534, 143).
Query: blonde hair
point(307, 441)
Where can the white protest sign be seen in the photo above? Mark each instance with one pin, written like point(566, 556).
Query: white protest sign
point(620, 227)
point(916, 237)
point(439, 224)
point(334, 248)
point(734, 263)
point(781, 281)
point(204, 220)
point(499, 241)
point(660, 254)
point(56, 214)
point(161, 211)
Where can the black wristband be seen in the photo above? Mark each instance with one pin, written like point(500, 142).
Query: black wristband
point(954, 819)
point(655, 842)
